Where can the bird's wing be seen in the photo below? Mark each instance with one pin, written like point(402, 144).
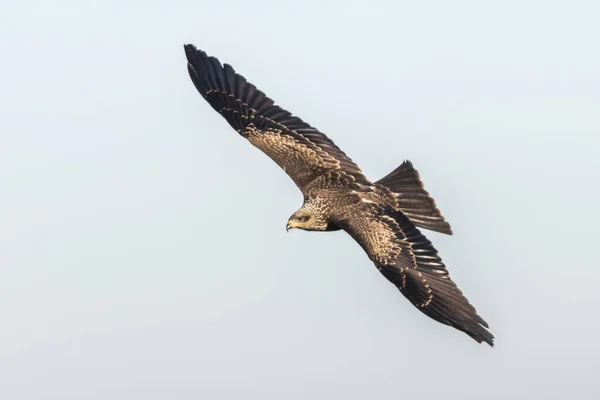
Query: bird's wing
point(301, 150)
point(409, 260)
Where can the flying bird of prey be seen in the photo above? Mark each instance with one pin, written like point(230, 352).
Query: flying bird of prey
point(381, 216)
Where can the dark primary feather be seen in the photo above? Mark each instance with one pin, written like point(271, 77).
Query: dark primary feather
point(249, 111)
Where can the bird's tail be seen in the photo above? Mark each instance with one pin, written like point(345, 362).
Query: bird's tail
point(415, 202)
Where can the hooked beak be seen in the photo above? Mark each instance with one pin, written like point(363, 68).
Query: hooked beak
point(290, 225)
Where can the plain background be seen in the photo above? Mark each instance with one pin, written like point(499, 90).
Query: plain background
point(143, 252)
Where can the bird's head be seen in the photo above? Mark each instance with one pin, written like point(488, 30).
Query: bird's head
point(307, 220)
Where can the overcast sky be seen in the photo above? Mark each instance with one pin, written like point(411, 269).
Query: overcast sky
point(143, 252)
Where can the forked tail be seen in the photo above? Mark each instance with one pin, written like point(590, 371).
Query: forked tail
point(415, 202)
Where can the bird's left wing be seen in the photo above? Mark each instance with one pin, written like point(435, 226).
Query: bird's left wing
point(302, 151)
point(409, 260)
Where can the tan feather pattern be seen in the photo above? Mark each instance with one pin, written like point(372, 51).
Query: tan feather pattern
point(303, 162)
point(409, 260)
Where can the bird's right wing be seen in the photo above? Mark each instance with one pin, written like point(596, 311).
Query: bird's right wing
point(408, 260)
point(303, 152)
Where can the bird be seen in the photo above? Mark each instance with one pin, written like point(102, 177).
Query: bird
point(384, 216)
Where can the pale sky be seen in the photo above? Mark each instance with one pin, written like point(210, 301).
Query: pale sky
point(143, 251)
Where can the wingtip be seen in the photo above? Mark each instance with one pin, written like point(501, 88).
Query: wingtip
point(489, 341)
point(190, 50)
point(484, 335)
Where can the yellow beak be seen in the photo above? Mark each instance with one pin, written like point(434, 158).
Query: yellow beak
point(290, 225)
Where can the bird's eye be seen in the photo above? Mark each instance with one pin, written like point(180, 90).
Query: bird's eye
point(303, 218)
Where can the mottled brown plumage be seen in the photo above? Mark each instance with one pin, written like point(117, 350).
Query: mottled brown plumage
point(382, 217)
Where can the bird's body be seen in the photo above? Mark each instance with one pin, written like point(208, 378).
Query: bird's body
point(381, 216)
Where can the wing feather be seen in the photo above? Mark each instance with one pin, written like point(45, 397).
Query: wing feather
point(409, 260)
point(282, 136)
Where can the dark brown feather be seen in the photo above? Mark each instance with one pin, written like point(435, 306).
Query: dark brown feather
point(250, 112)
point(409, 260)
point(414, 201)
